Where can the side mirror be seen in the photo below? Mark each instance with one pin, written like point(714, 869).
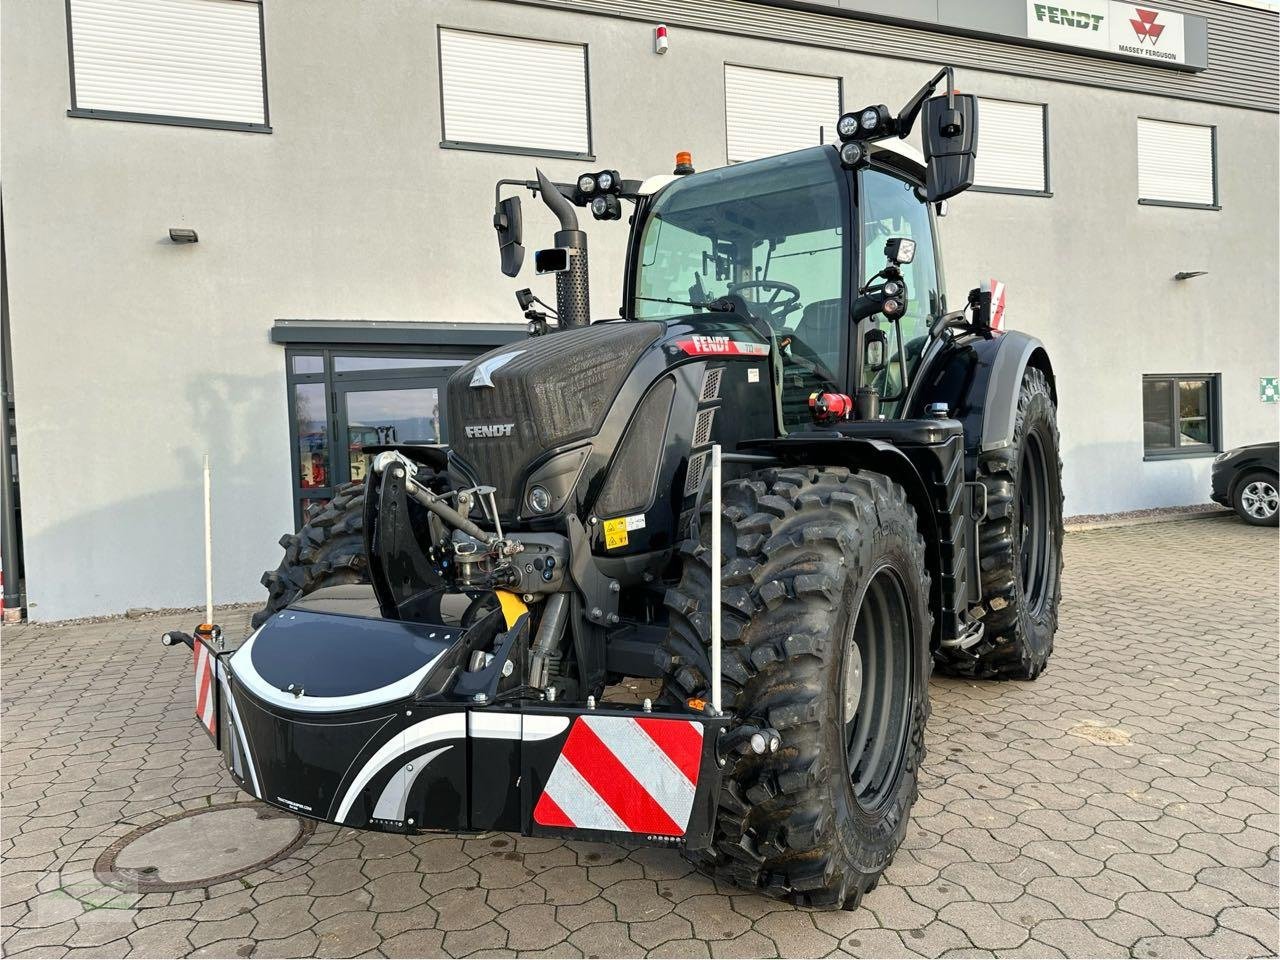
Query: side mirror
point(875, 350)
point(508, 222)
point(551, 260)
point(950, 144)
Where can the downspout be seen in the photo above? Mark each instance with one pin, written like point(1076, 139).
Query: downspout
point(8, 507)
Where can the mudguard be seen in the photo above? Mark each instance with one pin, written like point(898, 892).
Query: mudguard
point(979, 378)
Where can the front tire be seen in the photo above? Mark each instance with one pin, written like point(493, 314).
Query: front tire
point(1255, 499)
point(326, 552)
point(825, 591)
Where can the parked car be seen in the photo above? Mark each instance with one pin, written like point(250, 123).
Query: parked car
point(1244, 479)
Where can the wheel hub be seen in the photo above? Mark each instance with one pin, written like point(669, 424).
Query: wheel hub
point(852, 681)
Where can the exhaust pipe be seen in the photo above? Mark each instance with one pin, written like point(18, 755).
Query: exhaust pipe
point(573, 300)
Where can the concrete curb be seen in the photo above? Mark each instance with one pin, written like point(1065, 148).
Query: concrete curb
point(1138, 520)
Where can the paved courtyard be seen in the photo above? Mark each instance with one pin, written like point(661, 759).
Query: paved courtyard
point(1125, 804)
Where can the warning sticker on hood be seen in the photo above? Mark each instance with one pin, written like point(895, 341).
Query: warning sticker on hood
point(616, 530)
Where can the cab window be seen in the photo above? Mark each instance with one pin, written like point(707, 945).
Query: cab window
point(888, 207)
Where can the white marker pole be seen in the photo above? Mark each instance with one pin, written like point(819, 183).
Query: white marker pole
point(715, 578)
point(208, 546)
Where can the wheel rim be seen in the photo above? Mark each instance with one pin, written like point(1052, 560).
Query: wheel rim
point(1035, 539)
point(1260, 500)
point(876, 690)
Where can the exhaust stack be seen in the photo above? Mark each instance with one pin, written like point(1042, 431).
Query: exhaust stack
point(573, 300)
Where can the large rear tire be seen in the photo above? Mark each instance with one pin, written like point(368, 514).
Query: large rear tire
point(826, 628)
point(1020, 545)
point(326, 552)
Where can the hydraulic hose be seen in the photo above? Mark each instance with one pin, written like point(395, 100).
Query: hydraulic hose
point(547, 641)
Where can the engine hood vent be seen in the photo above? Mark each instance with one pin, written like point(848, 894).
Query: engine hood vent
point(514, 403)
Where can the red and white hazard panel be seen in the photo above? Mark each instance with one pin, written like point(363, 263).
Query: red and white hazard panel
point(628, 774)
point(206, 688)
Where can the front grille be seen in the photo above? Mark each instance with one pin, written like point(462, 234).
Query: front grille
point(693, 479)
point(702, 426)
point(711, 385)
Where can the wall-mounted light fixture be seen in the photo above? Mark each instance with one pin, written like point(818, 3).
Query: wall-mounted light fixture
point(1188, 274)
point(183, 235)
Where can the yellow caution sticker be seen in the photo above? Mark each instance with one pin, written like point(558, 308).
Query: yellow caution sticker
point(615, 533)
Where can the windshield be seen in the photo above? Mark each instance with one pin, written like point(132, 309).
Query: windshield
point(767, 235)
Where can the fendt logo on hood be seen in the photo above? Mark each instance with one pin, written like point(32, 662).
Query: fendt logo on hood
point(479, 431)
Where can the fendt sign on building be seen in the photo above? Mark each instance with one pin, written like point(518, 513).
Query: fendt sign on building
point(1126, 29)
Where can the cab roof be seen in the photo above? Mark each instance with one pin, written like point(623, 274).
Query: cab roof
point(900, 154)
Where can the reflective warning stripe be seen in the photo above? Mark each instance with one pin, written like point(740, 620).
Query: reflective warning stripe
point(997, 304)
point(203, 665)
point(635, 775)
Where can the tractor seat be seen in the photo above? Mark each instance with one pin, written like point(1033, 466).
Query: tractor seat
point(819, 328)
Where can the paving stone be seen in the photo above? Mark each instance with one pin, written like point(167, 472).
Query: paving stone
point(1124, 804)
point(532, 927)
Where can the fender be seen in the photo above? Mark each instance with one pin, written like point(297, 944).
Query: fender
point(979, 380)
point(835, 450)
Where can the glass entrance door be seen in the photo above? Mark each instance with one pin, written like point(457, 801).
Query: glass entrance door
point(407, 410)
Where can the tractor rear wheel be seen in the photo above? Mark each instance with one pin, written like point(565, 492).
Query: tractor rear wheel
point(825, 638)
point(326, 552)
point(1020, 545)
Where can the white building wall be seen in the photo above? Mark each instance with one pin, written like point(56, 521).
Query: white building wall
point(134, 356)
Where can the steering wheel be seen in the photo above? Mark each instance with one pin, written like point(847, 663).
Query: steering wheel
point(778, 305)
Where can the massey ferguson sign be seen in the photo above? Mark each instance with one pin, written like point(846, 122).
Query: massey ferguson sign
point(1131, 30)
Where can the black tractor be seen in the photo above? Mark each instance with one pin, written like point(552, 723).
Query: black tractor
point(786, 482)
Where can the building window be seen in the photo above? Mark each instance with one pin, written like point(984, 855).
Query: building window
point(1177, 164)
point(514, 95)
point(343, 399)
point(1180, 415)
point(1013, 157)
point(769, 112)
point(194, 63)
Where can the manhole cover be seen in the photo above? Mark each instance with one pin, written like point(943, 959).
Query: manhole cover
point(201, 848)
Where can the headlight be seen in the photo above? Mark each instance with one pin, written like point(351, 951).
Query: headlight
point(600, 206)
point(851, 153)
point(870, 118)
point(847, 126)
point(604, 180)
point(538, 499)
point(586, 183)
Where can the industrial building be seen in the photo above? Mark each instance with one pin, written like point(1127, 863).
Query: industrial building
point(261, 230)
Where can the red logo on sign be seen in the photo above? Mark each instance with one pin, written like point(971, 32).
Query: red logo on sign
point(1145, 26)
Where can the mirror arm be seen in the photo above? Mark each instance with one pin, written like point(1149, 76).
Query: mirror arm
point(908, 114)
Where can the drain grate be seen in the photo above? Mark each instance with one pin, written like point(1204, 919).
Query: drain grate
point(200, 848)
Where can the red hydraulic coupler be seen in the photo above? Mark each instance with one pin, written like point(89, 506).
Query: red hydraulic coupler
point(829, 407)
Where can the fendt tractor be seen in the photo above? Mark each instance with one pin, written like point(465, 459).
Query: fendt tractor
point(786, 482)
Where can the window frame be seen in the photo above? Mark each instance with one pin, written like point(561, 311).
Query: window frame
point(167, 119)
point(1044, 135)
point(724, 94)
point(883, 163)
point(1180, 450)
point(331, 381)
point(1213, 166)
point(480, 147)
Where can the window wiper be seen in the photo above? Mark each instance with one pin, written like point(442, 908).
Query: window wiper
point(720, 304)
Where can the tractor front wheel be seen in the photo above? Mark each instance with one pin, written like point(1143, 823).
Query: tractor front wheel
point(825, 638)
point(326, 552)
